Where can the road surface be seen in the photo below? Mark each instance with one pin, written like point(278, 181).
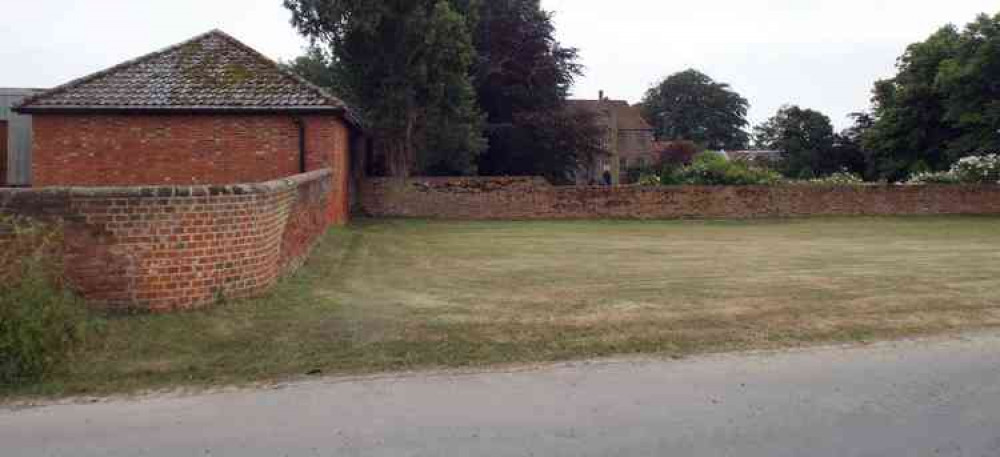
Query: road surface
point(919, 398)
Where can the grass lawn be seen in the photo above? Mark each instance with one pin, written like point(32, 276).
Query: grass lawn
point(394, 294)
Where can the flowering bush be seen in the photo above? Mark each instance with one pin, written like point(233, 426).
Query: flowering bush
point(982, 169)
point(978, 169)
point(840, 178)
point(927, 177)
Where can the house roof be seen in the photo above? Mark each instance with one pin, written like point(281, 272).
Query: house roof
point(629, 117)
point(211, 72)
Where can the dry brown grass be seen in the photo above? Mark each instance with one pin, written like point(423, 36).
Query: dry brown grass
point(624, 281)
point(386, 295)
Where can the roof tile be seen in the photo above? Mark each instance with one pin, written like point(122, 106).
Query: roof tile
point(209, 72)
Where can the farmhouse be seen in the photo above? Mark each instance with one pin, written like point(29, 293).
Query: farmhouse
point(628, 138)
point(208, 111)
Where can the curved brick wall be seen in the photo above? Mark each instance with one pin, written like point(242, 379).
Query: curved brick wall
point(531, 198)
point(168, 248)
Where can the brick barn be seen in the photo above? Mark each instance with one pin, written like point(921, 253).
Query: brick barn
point(210, 110)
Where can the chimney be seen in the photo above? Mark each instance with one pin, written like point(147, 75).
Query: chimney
point(600, 95)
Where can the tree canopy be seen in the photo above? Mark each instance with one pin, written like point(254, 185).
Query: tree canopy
point(516, 74)
point(406, 64)
point(805, 136)
point(522, 77)
point(942, 105)
point(691, 106)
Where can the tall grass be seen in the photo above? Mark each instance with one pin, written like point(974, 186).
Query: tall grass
point(40, 321)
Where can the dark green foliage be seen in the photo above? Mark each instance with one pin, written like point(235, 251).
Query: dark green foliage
point(406, 64)
point(849, 152)
point(971, 82)
point(691, 106)
point(520, 66)
point(943, 104)
point(804, 136)
point(522, 77)
point(545, 144)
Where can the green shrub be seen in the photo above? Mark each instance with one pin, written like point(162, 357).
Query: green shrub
point(40, 322)
point(714, 169)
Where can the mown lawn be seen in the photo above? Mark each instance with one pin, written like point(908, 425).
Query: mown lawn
point(394, 295)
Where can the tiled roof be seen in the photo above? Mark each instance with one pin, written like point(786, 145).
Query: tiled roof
point(629, 117)
point(210, 72)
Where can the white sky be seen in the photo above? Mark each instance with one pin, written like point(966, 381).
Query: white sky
point(820, 54)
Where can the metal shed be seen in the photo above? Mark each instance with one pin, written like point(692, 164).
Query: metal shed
point(15, 133)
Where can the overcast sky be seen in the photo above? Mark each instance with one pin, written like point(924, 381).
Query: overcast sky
point(820, 54)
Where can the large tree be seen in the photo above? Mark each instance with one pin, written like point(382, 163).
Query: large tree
point(805, 136)
point(943, 103)
point(691, 106)
point(849, 151)
point(971, 82)
point(522, 77)
point(406, 64)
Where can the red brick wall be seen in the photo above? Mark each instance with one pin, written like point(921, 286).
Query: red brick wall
point(135, 150)
point(516, 198)
point(168, 248)
point(327, 144)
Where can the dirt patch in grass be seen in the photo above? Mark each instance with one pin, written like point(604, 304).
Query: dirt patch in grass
point(391, 295)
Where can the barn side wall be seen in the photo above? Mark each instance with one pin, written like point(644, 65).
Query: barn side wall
point(92, 149)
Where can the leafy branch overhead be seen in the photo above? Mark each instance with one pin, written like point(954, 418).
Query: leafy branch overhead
point(498, 57)
point(942, 105)
point(406, 65)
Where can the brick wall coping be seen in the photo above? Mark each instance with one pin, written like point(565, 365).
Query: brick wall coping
point(541, 184)
point(8, 194)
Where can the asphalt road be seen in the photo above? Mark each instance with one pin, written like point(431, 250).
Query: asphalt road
point(919, 398)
